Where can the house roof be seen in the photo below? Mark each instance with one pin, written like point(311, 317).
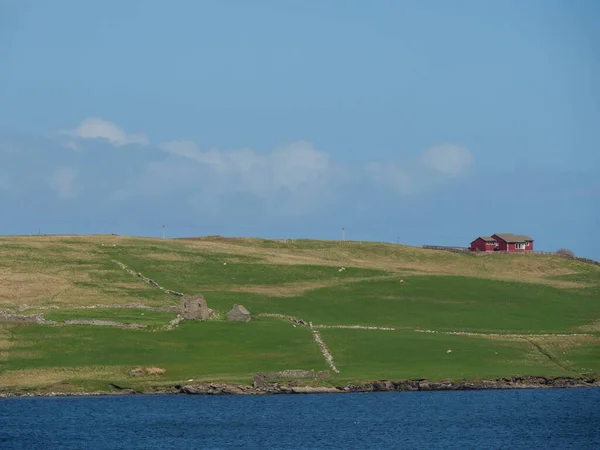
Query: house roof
point(511, 238)
point(487, 239)
point(240, 308)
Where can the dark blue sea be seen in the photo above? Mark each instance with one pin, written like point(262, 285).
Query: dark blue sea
point(507, 419)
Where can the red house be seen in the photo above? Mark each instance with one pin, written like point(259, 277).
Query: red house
point(505, 242)
point(484, 244)
point(513, 242)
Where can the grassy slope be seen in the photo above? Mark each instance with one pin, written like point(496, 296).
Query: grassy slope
point(383, 285)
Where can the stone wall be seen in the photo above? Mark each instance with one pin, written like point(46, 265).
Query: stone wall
point(39, 319)
point(292, 319)
point(100, 323)
point(21, 318)
point(25, 307)
point(146, 279)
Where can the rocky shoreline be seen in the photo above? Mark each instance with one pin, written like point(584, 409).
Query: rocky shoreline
point(293, 387)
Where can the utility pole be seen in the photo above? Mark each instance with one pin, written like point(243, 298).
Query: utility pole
point(163, 231)
point(343, 234)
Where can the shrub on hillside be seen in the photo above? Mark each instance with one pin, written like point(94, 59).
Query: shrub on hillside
point(565, 252)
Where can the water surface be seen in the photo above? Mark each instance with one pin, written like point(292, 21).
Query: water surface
point(507, 419)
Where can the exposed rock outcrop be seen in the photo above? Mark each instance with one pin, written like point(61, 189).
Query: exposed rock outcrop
point(292, 387)
point(265, 387)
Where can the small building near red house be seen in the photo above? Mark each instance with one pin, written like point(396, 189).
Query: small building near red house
point(513, 242)
point(505, 242)
point(484, 244)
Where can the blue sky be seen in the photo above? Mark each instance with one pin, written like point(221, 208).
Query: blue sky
point(431, 122)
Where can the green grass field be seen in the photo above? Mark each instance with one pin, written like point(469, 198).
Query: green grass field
point(525, 314)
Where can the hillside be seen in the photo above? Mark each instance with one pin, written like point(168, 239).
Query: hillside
point(382, 311)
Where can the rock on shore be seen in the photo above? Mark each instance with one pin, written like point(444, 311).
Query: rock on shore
point(394, 386)
point(293, 387)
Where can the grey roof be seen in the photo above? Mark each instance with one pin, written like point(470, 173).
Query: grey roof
point(240, 308)
point(487, 238)
point(511, 238)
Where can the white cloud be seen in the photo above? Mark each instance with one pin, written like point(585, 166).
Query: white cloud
point(295, 167)
point(185, 148)
point(390, 175)
point(450, 159)
point(95, 128)
point(62, 181)
point(412, 176)
point(299, 165)
point(291, 179)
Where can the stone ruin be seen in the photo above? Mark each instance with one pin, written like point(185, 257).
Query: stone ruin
point(194, 307)
point(238, 314)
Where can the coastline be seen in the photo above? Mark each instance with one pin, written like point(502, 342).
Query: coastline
point(292, 387)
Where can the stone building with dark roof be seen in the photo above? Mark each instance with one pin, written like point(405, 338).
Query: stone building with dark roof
point(239, 314)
